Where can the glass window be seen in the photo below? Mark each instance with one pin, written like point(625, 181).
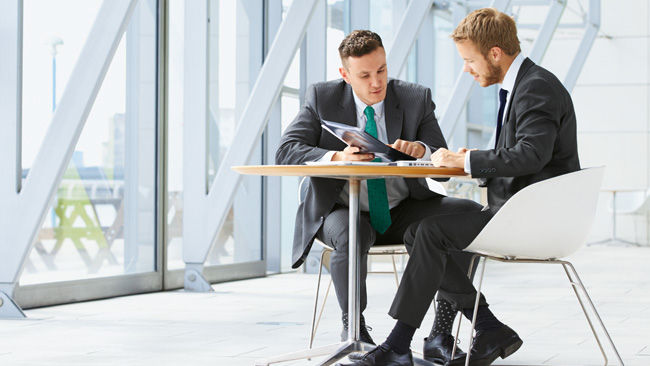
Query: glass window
point(102, 219)
point(335, 34)
point(231, 72)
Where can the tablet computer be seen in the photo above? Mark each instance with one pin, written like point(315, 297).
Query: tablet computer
point(355, 136)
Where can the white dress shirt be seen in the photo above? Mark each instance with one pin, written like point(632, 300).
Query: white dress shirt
point(396, 188)
point(508, 84)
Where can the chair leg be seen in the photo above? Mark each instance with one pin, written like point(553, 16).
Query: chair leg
point(392, 257)
point(312, 333)
point(575, 285)
point(460, 318)
point(322, 306)
point(476, 302)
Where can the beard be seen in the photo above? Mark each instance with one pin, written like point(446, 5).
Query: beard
point(493, 75)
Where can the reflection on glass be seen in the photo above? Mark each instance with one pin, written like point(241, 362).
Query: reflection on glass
point(102, 219)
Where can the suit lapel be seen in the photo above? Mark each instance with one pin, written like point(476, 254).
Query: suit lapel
point(501, 142)
point(394, 115)
point(347, 112)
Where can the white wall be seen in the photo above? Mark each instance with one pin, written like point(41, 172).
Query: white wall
point(612, 106)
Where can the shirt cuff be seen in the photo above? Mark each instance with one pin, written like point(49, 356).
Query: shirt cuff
point(468, 166)
point(427, 151)
point(327, 157)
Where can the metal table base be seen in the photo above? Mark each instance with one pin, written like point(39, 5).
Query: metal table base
point(340, 350)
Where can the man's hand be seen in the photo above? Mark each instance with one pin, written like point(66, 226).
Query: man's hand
point(463, 150)
point(350, 154)
point(444, 157)
point(415, 149)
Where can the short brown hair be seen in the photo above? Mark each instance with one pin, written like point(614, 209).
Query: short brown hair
point(488, 28)
point(359, 43)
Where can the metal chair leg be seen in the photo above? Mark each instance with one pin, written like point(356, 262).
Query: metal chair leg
point(579, 283)
point(476, 302)
point(392, 257)
point(322, 307)
point(312, 333)
point(460, 318)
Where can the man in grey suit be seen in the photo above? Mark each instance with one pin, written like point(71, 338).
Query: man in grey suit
point(397, 113)
point(536, 140)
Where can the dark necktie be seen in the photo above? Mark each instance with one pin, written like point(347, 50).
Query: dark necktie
point(502, 105)
point(377, 196)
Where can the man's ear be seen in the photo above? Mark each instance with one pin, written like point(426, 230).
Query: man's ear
point(344, 74)
point(496, 53)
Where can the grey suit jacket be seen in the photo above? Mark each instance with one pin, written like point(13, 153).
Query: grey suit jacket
point(409, 116)
point(537, 140)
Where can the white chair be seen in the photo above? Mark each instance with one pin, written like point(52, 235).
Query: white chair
point(542, 223)
point(634, 203)
point(392, 250)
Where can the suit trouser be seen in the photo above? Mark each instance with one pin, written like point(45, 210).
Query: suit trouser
point(432, 268)
point(334, 232)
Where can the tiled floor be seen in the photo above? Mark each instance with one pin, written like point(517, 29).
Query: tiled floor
point(247, 320)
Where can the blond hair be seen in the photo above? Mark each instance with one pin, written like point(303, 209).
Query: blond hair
point(488, 28)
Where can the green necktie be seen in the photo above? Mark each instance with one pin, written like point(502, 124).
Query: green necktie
point(377, 197)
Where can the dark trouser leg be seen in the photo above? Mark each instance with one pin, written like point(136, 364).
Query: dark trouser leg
point(335, 234)
point(431, 267)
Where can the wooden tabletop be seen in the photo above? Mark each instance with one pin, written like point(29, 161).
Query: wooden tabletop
point(346, 171)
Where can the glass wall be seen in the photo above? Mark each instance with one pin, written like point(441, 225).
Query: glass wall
point(233, 63)
point(102, 221)
point(102, 218)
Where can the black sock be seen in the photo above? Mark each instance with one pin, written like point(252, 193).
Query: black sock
point(484, 318)
point(445, 315)
point(400, 337)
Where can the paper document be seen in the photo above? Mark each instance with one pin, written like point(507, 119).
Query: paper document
point(355, 136)
point(370, 163)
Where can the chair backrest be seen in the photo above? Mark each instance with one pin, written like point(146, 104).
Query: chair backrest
point(548, 219)
point(632, 203)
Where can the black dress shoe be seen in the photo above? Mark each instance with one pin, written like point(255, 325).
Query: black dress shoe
point(491, 344)
point(382, 355)
point(438, 349)
point(363, 330)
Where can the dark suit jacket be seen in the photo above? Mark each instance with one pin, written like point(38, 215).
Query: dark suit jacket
point(537, 140)
point(409, 113)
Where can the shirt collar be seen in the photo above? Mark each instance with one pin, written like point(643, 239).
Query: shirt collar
point(511, 75)
point(361, 106)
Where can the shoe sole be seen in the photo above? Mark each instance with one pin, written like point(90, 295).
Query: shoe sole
point(444, 361)
point(512, 348)
point(503, 353)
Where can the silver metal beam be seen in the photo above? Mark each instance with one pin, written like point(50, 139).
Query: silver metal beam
point(272, 201)
point(214, 208)
point(406, 35)
point(426, 54)
point(25, 211)
point(591, 31)
point(545, 34)
point(195, 144)
point(11, 34)
point(140, 138)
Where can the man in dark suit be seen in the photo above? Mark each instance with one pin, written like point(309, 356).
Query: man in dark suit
point(536, 140)
point(395, 112)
